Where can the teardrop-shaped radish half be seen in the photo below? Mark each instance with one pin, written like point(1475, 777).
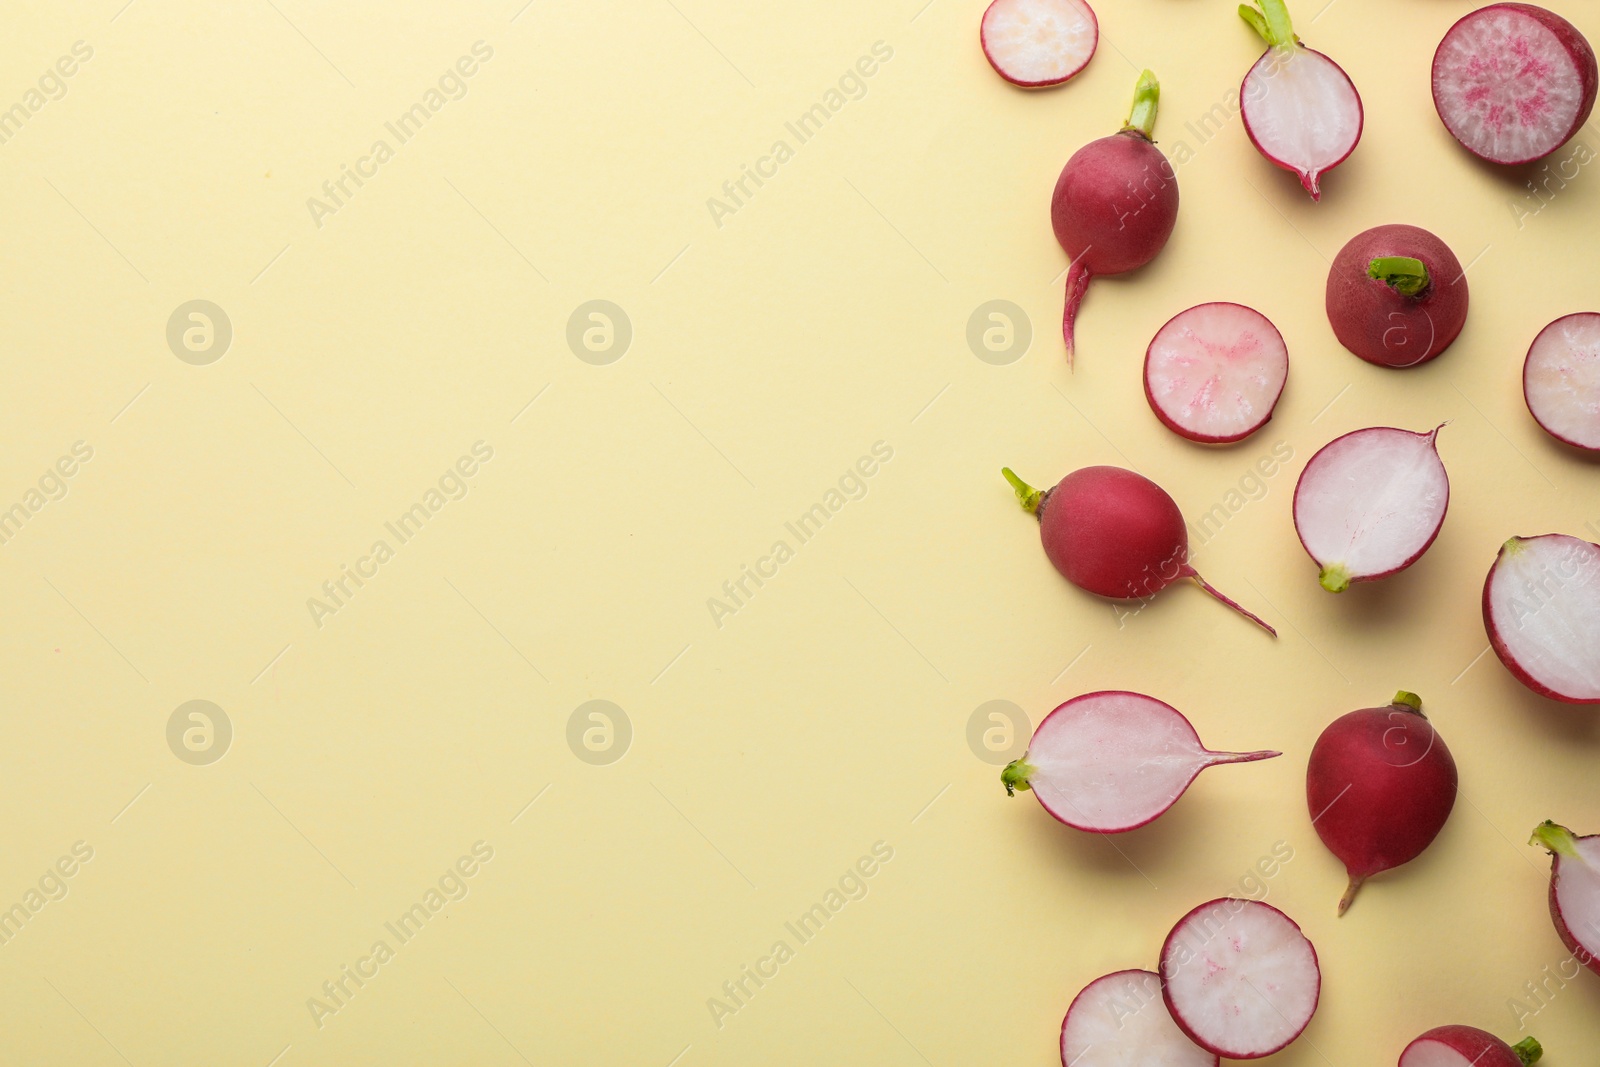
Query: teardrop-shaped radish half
point(1214, 373)
point(1302, 112)
point(1467, 1046)
point(1038, 43)
point(1120, 1019)
point(1541, 608)
point(1574, 890)
point(1561, 380)
point(1240, 978)
point(1113, 761)
point(1370, 503)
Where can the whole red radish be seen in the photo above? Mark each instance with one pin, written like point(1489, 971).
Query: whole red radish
point(1396, 295)
point(1574, 890)
point(1115, 203)
point(1561, 380)
point(1299, 107)
point(1467, 1046)
point(1379, 786)
point(1513, 82)
point(1120, 1019)
point(1035, 44)
point(1541, 610)
point(1115, 533)
point(1214, 373)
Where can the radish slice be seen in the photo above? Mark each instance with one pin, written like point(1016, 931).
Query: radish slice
point(1513, 82)
point(1370, 503)
point(1239, 978)
point(1038, 43)
point(1541, 608)
point(1215, 372)
point(1120, 1019)
point(1561, 380)
point(1574, 890)
point(1467, 1046)
point(1113, 761)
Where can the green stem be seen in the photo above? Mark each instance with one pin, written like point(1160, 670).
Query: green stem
point(1271, 22)
point(1335, 578)
point(1403, 274)
point(1528, 1050)
point(1029, 497)
point(1410, 700)
point(1016, 775)
point(1146, 100)
point(1557, 839)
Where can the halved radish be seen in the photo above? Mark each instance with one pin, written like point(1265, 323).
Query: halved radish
point(1467, 1046)
point(1239, 978)
point(1541, 608)
point(1215, 372)
point(1561, 380)
point(1370, 503)
point(1113, 761)
point(1120, 1019)
point(1038, 43)
point(1574, 889)
point(1513, 82)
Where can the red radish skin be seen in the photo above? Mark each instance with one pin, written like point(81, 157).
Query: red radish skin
point(1379, 786)
point(1115, 533)
point(1541, 610)
point(1574, 889)
point(1120, 1019)
point(1396, 296)
point(1036, 44)
point(1214, 373)
point(1513, 82)
point(1561, 380)
point(1467, 1046)
point(1115, 204)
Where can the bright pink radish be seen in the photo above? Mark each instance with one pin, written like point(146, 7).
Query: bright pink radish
point(1541, 608)
point(1379, 786)
point(1561, 380)
point(1215, 372)
point(1038, 43)
point(1239, 978)
point(1396, 295)
point(1113, 761)
point(1467, 1046)
point(1120, 1019)
point(1115, 533)
point(1299, 107)
point(1574, 889)
point(1115, 203)
point(1370, 503)
point(1513, 82)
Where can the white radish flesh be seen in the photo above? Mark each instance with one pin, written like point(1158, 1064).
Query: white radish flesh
point(1574, 889)
point(1214, 373)
point(1541, 608)
point(1302, 112)
point(1038, 43)
point(1120, 1020)
point(1561, 380)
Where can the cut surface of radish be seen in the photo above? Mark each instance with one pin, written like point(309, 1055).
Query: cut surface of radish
point(1541, 608)
point(1513, 82)
point(1120, 1020)
point(1467, 1046)
point(1038, 43)
point(1370, 503)
point(1561, 380)
point(1113, 761)
point(1239, 978)
point(1302, 112)
point(1214, 373)
point(1574, 890)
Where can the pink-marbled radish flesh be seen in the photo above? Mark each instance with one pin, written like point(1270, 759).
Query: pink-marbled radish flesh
point(1541, 609)
point(1561, 380)
point(1120, 1020)
point(1038, 43)
point(1214, 373)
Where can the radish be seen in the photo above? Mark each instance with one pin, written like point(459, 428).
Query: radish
point(1561, 380)
point(1239, 978)
point(1038, 43)
point(1396, 295)
point(1380, 785)
point(1513, 82)
point(1115, 533)
point(1370, 503)
point(1113, 761)
point(1541, 608)
point(1574, 889)
point(1467, 1046)
point(1215, 372)
point(1119, 1019)
point(1300, 109)
point(1115, 203)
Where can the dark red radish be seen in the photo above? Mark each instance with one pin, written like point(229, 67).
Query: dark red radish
point(1240, 978)
point(1396, 295)
point(1467, 1046)
point(1561, 380)
point(1115, 533)
point(1115, 203)
point(1370, 504)
point(1120, 1019)
point(1379, 786)
point(1214, 373)
point(1541, 608)
point(1300, 109)
point(1513, 82)
point(1114, 761)
point(1038, 43)
point(1574, 889)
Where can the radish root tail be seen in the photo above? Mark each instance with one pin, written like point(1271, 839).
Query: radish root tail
point(1078, 276)
point(1190, 572)
point(1350, 892)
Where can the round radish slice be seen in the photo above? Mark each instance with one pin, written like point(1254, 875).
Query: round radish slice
point(1038, 43)
point(1370, 503)
point(1574, 890)
point(1215, 372)
point(1467, 1046)
point(1120, 1019)
point(1513, 82)
point(1113, 761)
point(1239, 978)
point(1561, 380)
point(1541, 608)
